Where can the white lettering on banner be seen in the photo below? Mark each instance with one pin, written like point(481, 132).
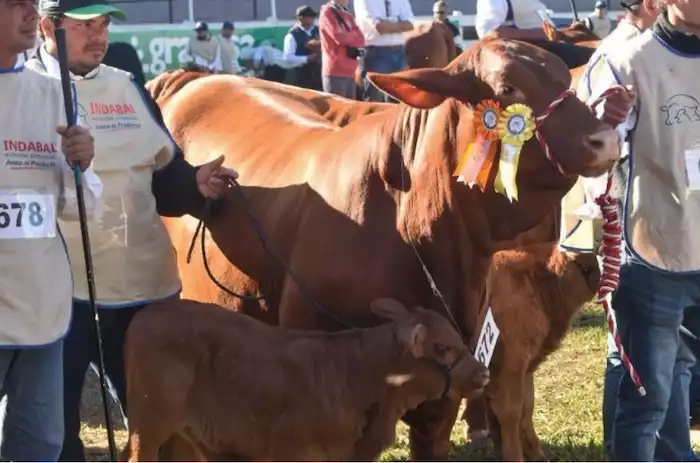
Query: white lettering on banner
point(25, 215)
point(692, 167)
point(487, 339)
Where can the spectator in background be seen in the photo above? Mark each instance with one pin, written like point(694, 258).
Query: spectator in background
point(440, 13)
point(341, 41)
point(228, 50)
point(302, 50)
point(513, 19)
point(268, 62)
point(204, 49)
point(598, 22)
point(383, 23)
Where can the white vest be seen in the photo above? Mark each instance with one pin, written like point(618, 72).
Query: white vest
point(133, 257)
point(580, 235)
point(36, 284)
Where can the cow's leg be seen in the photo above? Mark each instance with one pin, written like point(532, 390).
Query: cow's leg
point(430, 428)
point(142, 449)
point(475, 415)
point(178, 448)
point(531, 443)
point(506, 400)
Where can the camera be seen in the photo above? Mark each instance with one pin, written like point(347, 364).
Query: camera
point(354, 52)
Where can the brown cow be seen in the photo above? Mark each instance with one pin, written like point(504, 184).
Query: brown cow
point(429, 45)
point(235, 387)
point(540, 289)
point(349, 209)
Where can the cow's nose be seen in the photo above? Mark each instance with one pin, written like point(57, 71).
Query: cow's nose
point(605, 145)
point(483, 378)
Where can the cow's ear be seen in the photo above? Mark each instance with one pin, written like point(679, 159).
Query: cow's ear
point(413, 338)
point(390, 309)
point(425, 88)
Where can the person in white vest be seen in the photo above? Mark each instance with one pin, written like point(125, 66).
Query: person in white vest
point(514, 19)
point(145, 176)
point(658, 185)
point(599, 22)
point(36, 188)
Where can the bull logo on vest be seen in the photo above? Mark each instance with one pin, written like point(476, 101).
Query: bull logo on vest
point(681, 108)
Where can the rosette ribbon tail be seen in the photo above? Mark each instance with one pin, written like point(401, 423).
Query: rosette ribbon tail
point(505, 183)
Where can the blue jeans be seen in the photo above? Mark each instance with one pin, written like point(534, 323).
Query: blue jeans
point(79, 353)
point(384, 60)
point(31, 412)
point(650, 307)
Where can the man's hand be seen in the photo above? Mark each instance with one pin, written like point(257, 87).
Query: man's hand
point(212, 178)
point(314, 57)
point(314, 44)
point(617, 104)
point(77, 145)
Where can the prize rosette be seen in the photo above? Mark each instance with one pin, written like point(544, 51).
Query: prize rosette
point(515, 126)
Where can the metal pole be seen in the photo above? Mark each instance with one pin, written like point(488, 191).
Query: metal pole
point(190, 6)
point(273, 9)
point(82, 215)
point(573, 9)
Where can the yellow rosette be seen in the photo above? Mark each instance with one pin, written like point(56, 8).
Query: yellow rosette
point(548, 30)
point(476, 163)
point(515, 127)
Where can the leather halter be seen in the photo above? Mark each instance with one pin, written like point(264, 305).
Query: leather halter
point(446, 370)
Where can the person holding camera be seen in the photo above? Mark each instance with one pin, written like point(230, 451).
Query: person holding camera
point(341, 44)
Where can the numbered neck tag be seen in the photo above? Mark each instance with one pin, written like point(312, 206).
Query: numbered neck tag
point(27, 215)
point(487, 340)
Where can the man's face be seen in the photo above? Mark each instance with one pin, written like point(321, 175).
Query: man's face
point(18, 21)
point(440, 14)
point(342, 2)
point(202, 35)
point(687, 10)
point(306, 21)
point(86, 40)
point(647, 14)
point(227, 33)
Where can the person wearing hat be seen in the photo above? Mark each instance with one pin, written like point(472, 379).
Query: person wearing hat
point(302, 50)
point(145, 176)
point(228, 49)
point(598, 22)
point(657, 188)
point(205, 50)
point(37, 187)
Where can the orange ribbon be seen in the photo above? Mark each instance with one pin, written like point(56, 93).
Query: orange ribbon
point(477, 161)
point(548, 30)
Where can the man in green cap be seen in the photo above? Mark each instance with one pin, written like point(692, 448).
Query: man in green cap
point(145, 177)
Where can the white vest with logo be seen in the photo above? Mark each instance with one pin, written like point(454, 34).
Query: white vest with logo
point(36, 284)
point(576, 234)
point(132, 254)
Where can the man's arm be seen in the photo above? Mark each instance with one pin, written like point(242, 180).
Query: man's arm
point(175, 185)
point(369, 14)
point(491, 15)
point(289, 52)
point(217, 64)
point(328, 23)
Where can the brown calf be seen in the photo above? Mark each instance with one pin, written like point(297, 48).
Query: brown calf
point(235, 387)
point(537, 291)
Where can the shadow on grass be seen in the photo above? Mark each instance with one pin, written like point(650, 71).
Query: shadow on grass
point(589, 318)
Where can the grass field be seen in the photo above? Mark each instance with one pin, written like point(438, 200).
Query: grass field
point(567, 407)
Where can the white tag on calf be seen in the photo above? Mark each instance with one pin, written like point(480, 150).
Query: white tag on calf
point(692, 167)
point(487, 339)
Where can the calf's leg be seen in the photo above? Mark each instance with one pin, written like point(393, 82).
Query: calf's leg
point(506, 397)
point(531, 443)
point(430, 428)
point(475, 415)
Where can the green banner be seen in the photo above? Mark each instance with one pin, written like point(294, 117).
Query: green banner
point(161, 49)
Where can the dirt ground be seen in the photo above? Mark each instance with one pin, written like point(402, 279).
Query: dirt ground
point(93, 430)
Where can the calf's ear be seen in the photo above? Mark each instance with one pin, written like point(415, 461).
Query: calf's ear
point(413, 338)
point(428, 87)
point(389, 308)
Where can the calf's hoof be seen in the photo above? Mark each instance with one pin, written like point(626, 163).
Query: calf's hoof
point(476, 436)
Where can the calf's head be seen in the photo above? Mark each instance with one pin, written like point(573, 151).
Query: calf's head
point(514, 72)
point(581, 274)
point(439, 362)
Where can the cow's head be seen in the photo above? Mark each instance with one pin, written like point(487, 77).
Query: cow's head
point(439, 362)
point(514, 72)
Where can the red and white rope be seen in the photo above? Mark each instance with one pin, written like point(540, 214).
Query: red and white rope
point(611, 253)
point(539, 120)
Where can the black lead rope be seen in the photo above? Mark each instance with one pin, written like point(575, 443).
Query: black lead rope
point(269, 250)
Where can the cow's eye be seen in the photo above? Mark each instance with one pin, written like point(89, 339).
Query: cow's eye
point(506, 90)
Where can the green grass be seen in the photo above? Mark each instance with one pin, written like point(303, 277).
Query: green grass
point(567, 405)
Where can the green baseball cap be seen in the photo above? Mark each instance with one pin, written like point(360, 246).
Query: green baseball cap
point(80, 9)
